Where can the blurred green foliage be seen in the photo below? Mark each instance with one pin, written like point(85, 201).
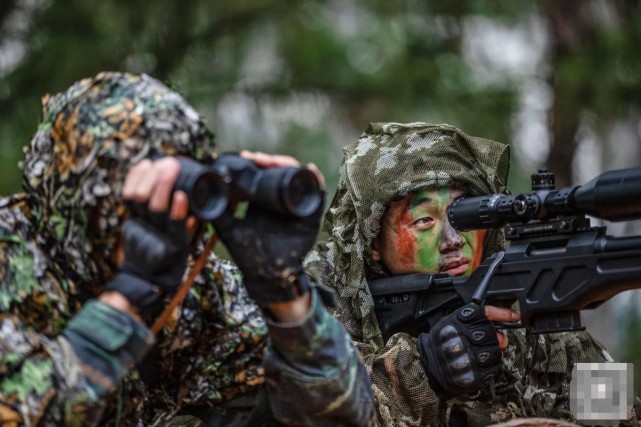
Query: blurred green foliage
point(360, 60)
point(370, 60)
point(629, 344)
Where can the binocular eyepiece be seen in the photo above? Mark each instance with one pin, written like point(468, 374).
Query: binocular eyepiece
point(288, 190)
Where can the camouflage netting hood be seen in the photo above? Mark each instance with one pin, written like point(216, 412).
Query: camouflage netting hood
point(389, 161)
point(75, 165)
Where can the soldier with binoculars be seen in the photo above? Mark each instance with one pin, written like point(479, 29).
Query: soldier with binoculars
point(119, 181)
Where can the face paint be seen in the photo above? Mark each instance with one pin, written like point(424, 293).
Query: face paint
point(416, 236)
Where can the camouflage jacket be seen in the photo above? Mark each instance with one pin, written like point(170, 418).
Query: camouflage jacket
point(209, 360)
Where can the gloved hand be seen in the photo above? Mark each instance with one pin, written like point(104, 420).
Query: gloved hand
point(461, 353)
point(269, 247)
point(156, 248)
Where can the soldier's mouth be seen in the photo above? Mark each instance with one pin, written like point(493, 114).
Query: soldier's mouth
point(456, 267)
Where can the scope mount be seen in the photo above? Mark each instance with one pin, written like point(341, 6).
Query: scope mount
point(562, 225)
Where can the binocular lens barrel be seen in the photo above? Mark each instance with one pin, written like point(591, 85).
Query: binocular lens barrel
point(292, 191)
point(207, 189)
point(303, 194)
point(209, 196)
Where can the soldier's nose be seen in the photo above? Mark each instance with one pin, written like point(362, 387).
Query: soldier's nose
point(451, 239)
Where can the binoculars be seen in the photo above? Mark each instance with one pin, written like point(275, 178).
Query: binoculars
point(288, 190)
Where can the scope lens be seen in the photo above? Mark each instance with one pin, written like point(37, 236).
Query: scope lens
point(302, 193)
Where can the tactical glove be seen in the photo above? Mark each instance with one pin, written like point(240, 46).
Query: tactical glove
point(461, 353)
point(269, 247)
point(156, 250)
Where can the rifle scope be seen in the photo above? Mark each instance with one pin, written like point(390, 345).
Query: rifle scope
point(287, 190)
point(613, 195)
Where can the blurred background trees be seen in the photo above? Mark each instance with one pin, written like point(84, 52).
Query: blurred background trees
point(559, 81)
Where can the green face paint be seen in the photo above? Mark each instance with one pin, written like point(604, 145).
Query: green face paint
point(417, 237)
point(439, 246)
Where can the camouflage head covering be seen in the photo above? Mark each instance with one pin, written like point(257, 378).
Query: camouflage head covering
point(388, 162)
point(76, 163)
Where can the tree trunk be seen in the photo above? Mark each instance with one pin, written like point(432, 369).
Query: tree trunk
point(570, 32)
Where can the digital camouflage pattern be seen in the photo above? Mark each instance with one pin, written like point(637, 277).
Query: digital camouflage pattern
point(57, 242)
point(389, 161)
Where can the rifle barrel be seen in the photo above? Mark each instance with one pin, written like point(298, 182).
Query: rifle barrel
point(615, 244)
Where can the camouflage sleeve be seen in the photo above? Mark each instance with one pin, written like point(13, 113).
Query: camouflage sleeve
point(64, 380)
point(400, 386)
point(314, 364)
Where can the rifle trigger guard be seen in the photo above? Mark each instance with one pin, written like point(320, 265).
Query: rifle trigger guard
point(481, 290)
point(507, 325)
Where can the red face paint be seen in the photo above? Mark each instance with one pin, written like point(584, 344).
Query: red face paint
point(405, 240)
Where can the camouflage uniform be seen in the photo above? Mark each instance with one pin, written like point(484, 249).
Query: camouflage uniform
point(57, 251)
point(389, 161)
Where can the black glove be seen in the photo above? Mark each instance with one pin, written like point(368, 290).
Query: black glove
point(269, 248)
point(461, 353)
point(156, 250)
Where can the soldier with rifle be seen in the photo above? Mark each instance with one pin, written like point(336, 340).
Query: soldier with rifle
point(455, 364)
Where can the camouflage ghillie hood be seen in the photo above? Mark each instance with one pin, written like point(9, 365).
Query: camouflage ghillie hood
point(76, 163)
point(389, 161)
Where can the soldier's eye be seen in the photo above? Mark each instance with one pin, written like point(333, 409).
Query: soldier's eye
point(424, 222)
